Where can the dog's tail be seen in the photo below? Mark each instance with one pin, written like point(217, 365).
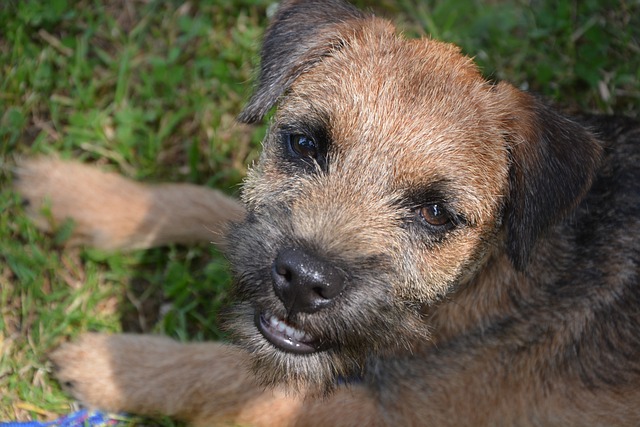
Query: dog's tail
point(108, 211)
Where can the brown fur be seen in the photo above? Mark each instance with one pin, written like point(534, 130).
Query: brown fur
point(522, 309)
point(138, 216)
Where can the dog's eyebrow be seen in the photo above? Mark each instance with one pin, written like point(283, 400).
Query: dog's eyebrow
point(315, 129)
point(437, 191)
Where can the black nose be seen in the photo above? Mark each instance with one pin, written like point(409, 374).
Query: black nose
point(304, 282)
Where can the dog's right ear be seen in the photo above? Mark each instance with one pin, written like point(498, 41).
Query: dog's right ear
point(301, 33)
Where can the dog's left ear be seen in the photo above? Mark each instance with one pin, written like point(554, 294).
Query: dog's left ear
point(553, 163)
point(301, 33)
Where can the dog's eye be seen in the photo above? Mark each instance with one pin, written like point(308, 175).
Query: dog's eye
point(434, 215)
point(302, 146)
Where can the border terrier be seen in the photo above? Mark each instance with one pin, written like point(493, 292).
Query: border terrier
point(416, 246)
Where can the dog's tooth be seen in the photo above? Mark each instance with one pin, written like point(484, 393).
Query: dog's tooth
point(299, 335)
point(289, 331)
point(273, 321)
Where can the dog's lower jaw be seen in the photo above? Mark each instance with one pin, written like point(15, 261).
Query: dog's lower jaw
point(316, 372)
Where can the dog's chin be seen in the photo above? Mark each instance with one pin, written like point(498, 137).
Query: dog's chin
point(282, 355)
point(306, 357)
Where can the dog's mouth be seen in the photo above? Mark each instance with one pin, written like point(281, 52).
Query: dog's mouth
point(284, 336)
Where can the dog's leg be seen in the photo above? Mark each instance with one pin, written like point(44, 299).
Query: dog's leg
point(112, 212)
point(202, 383)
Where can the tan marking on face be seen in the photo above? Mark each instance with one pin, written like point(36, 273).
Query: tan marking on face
point(401, 115)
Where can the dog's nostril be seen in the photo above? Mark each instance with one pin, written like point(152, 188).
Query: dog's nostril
point(305, 282)
point(321, 292)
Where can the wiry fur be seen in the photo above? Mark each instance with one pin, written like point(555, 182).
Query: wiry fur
point(524, 309)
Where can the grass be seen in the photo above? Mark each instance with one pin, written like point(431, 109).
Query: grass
point(151, 88)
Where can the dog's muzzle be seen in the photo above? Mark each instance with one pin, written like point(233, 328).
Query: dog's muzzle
point(304, 284)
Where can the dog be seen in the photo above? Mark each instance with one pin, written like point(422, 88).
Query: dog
point(416, 246)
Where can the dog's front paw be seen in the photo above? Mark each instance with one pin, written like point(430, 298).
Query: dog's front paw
point(87, 370)
point(101, 209)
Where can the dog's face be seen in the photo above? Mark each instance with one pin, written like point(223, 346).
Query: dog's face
point(387, 179)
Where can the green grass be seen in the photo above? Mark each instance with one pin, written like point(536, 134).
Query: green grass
point(150, 89)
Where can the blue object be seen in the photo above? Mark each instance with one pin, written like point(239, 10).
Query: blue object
point(83, 418)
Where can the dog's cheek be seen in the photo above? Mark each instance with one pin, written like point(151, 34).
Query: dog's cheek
point(432, 271)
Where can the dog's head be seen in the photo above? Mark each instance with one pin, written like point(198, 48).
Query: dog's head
point(391, 172)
